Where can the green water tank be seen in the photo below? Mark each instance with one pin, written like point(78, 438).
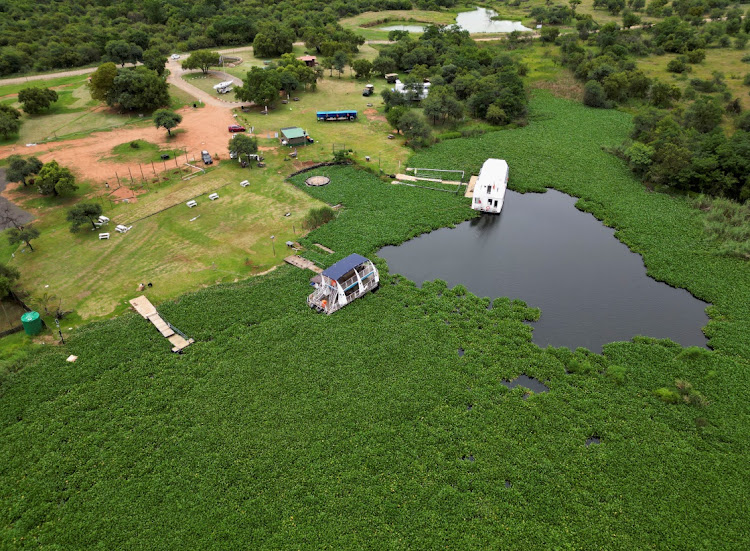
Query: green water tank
point(32, 323)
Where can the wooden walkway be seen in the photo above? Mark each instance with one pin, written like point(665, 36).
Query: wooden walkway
point(302, 263)
point(326, 249)
point(470, 187)
point(144, 307)
point(409, 178)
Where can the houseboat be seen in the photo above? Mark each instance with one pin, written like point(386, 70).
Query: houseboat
point(345, 281)
point(489, 190)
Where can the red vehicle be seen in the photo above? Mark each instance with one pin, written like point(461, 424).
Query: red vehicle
point(236, 128)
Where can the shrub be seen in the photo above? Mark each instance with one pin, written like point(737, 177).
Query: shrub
point(696, 56)
point(317, 217)
point(677, 65)
point(134, 144)
point(667, 396)
point(593, 95)
point(616, 373)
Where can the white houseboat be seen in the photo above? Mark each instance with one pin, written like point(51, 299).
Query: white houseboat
point(489, 190)
point(343, 282)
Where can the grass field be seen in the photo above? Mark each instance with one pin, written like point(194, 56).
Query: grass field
point(207, 82)
point(281, 428)
point(143, 152)
point(228, 240)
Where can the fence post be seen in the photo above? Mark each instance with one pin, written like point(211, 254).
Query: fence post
point(131, 176)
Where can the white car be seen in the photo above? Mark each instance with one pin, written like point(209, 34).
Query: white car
point(175, 56)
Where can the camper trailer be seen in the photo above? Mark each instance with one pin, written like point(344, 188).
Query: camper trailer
point(413, 92)
point(224, 87)
point(489, 189)
point(345, 281)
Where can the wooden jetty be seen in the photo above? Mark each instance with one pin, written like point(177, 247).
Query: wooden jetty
point(326, 249)
point(470, 187)
point(302, 263)
point(144, 307)
point(409, 178)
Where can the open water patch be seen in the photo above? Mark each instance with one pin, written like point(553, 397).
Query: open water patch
point(527, 382)
point(593, 440)
point(590, 287)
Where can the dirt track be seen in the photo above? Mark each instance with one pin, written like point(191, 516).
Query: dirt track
point(203, 128)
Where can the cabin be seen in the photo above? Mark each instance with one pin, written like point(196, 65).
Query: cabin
point(490, 187)
point(345, 281)
point(414, 92)
point(308, 60)
point(294, 135)
point(337, 115)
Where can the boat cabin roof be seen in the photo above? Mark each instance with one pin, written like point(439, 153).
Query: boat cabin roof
point(344, 266)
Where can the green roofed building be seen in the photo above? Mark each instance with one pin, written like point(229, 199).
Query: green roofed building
point(294, 135)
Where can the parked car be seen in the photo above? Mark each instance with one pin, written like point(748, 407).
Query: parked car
point(206, 158)
point(236, 128)
point(175, 56)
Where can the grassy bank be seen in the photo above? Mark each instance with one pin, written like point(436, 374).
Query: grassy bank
point(281, 428)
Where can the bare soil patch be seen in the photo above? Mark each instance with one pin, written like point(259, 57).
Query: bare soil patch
point(372, 115)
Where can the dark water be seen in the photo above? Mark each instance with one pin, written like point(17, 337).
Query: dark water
point(591, 289)
point(526, 382)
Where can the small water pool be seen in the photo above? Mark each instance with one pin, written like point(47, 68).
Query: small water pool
point(476, 21)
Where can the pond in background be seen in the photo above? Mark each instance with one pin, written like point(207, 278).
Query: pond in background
point(590, 287)
point(477, 21)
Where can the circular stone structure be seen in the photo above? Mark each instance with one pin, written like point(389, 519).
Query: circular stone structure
point(316, 181)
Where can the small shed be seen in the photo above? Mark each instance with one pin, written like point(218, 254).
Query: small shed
point(345, 281)
point(293, 135)
point(308, 60)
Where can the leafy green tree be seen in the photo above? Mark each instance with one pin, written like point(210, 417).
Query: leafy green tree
point(138, 89)
point(273, 40)
point(497, 115)
point(8, 276)
point(19, 168)
point(629, 19)
point(243, 144)
point(362, 68)
point(704, 114)
point(83, 213)
point(384, 65)
point(394, 114)
point(22, 235)
point(289, 81)
point(594, 96)
point(9, 120)
point(203, 60)
point(662, 94)
point(35, 100)
point(415, 128)
point(166, 118)
point(102, 80)
point(549, 34)
point(155, 60)
point(261, 86)
point(54, 179)
point(122, 52)
point(441, 103)
point(339, 61)
point(639, 157)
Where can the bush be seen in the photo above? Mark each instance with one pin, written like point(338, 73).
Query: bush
point(593, 95)
point(616, 373)
point(667, 396)
point(449, 135)
point(317, 217)
point(678, 65)
point(696, 56)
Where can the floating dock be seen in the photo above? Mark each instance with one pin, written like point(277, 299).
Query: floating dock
point(144, 307)
point(321, 247)
point(302, 263)
point(470, 187)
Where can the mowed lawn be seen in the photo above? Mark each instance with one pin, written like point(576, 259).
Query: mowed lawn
point(367, 136)
point(178, 249)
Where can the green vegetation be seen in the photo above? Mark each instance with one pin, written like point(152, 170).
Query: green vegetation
point(317, 217)
point(728, 225)
point(365, 428)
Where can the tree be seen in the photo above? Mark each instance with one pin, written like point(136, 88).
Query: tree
point(261, 86)
point(242, 144)
point(415, 128)
point(165, 118)
point(23, 235)
point(54, 179)
point(8, 276)
point(12, 216)
point(273, 40)
point(383, 65)
point(155, 60)
point(122, 52)
point(138, 89)
point(629, 19)
point(101, 81)
point(82, 213)
point(549, 34)
point(593, 95)
point(203, 60)
point(662, 94)
point(394, 114)
point(9, 120)
point(362, 68)
point(704, 114)
point(339, 61)
point(35, 100)
point(19, 168)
